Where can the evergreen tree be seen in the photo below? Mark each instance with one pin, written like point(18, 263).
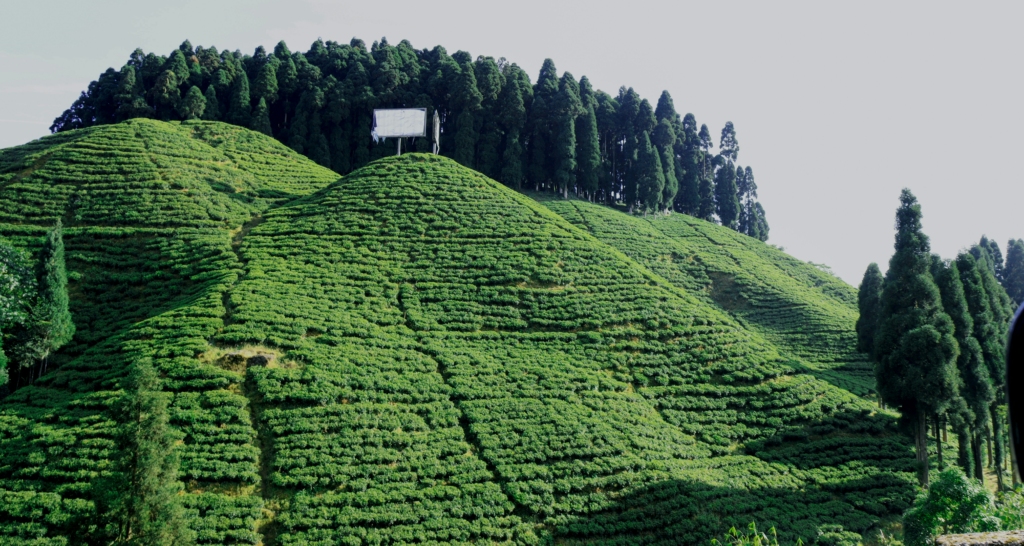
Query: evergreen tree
point(649, 175)
point(166, 95)
point(212, 110)
point(665, 141)
point(1013, 271)
point(761, 222)
point(512, 116)
point(729, 145)
point(726, 203)
point(193, 105)
point(688, 198)
point(469, 100)
point(563, 147)
point(130, 100)
point(265, 86)
point(141, 502)
point(706, 209)
point(50, 322)
point(915, 347)
point(178, 66)
point(868, 299)
point(240, 111)
point(957, 283)
point(588, 152)
point(261, 118)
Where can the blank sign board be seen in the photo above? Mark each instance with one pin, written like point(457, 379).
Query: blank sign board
point(399, 122)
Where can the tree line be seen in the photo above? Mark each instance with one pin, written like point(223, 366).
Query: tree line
point(34, 317)
point(558, 134)
point(937, 332)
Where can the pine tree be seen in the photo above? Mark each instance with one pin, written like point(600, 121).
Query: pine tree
point(588, 145)
point(193, 105)
point(265, 86)
point(726, 203)
point(212, 110)
point(729, 145)
point(166, 95)
point(868, 299)
point(177, 64)
point(512, 116)
point(915, 347)
point(563, 147)
point(1013, 271)
point(665, 141)
point(972, 420)
point(261, 118)
point(51, 326)
point(141, 502)
point(688, 198)
point(761, 221)
point(468, 99)
point(649, 175)
point(993, 347)
point(130, 100)
point(240, 111)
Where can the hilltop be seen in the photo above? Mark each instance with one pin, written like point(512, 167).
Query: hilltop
point(413, 353)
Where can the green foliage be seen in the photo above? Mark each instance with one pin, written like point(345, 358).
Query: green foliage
point(50, 325)
point(1010, 509)
point(1013, 273)
point(417, 353)
point(495, 120)
point(953, 503)
point(868, 296)
point(915, 350)
point(17, 286)
point(751, 538)
point(141, 502)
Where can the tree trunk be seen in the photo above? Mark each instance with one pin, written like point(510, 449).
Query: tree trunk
point(988, 444)
point(964, 453)
point(1014, 469)
point(979, 458)
point(938, 442)
point(945, 426)
point(997, 433)
point(921, 447)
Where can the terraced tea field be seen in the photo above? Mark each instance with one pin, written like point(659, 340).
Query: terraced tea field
point(413, 354)
point(808, 314)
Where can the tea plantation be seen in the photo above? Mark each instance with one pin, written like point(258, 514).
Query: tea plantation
point(805, 312)
point(417, 354)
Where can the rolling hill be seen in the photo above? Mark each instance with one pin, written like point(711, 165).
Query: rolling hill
point(416, 353)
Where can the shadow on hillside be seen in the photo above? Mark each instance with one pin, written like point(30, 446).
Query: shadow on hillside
point(692, 512)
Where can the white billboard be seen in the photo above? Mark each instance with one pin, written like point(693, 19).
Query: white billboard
point(399, 122)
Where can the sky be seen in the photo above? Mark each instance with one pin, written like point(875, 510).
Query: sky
point(837, 106)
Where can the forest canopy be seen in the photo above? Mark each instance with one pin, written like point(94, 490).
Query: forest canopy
point(558, 134)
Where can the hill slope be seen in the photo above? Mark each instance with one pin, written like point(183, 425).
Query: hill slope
point(418, 354)
point(808, 314)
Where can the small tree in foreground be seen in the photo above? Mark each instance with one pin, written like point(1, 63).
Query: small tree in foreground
point(953, 504)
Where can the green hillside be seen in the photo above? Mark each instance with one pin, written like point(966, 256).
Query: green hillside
point(808, 314)
point(412, 354)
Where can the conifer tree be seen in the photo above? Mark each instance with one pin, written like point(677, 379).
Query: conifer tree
point(141, 502)
point(868, 298)
point(588, 152)
point(1013, 271)
point(130, 100)
point(726, 203)
point(729, 145)
point(761, 222)
point(665, 141)
point(178, 66)
point(688, 198)
point(957, 284)
point(166, 95)
point(512, 116)
point(193, 105)
point(469, 100)
point(261, 118)
point(567, 108)
point(240, 111)
point(265, 87)
point(212, 110)
point(993, 347)
point(50, 322)
point(706, 209)
point(649, 175)
point(915, 347)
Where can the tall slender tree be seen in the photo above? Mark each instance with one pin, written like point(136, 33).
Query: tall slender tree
point(1013, 271)
point(649, 175)
point(141, 502)
point(868, 300)
point(193, 104)
point(915, 345)
point(50, 322)
point(726, 202)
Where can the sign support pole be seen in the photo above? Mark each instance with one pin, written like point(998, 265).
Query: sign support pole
point(399, 146)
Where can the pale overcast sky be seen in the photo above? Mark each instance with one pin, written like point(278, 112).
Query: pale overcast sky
point(836, 106)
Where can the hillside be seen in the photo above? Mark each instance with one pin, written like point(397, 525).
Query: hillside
point(808, 314)
point(412, 354)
